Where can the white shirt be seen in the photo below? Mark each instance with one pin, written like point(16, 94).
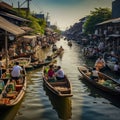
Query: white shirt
point(16, 71)
point(95, 73)
point(116, 67)
point(60, 73)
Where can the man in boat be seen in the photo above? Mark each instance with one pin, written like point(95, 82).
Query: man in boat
point(59, 73)
point(94, 74)
point(16, 71)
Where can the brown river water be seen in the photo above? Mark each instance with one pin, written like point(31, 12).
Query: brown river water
point(87, 102)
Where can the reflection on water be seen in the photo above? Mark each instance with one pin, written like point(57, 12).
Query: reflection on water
point(9, 112)
point(62, 105)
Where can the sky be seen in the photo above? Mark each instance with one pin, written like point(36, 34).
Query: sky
point(64, 13)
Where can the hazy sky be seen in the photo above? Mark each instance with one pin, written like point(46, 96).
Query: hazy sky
point(64, 13)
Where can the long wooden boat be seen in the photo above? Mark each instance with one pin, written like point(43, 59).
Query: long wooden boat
point(103, 82)
point(12, 92)
point(57, 53)
point(22, 55)
point(23, 61)
point(60, 88)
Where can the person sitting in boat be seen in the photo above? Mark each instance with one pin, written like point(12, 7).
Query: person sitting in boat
point(100, 63)
point(16, 71)
point(54, 47)
point(94, 74)
point(116, 68)
point(59, 73)
point(49, 58)
point(1, 66)
point(51, 73)
point(60, 49)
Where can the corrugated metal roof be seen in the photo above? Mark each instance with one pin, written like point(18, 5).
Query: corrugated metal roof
point(115, 20)
point(13, 16)
point(9, 27)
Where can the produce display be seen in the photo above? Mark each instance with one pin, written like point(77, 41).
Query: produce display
point(107, 83)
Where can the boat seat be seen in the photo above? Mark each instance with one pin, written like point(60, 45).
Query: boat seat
point(57, 83)
point(62, 89)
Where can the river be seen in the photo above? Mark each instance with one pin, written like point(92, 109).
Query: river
point(87, 102)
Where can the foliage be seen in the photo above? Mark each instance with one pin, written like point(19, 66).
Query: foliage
point(95, 17)
point(38, 25)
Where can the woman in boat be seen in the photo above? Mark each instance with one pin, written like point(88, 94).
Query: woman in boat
point(59, 73)
point(100, 63)
point(51, 73)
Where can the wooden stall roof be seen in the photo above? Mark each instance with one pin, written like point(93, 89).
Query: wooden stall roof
point(5, 5)
point(13, 17)
point(27, 29)
point(11, 28)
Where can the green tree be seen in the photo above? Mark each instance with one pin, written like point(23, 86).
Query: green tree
point(95, 17)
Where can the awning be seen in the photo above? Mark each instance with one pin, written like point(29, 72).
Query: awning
point(116, 20)
point(11, 28)
point(13, 17)
point(28, 37)
point(27, 29)
point(114, 35)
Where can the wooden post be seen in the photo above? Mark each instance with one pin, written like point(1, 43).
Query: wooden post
point(6, 49)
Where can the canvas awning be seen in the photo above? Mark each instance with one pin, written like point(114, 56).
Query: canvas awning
point(11, 28)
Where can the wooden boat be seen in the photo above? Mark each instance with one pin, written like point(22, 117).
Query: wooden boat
point(103, 82)
point(43, 63)
point(23, 61)
point(60, 88)
point(57, 53)
point(22, 55)
point(12, 92)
